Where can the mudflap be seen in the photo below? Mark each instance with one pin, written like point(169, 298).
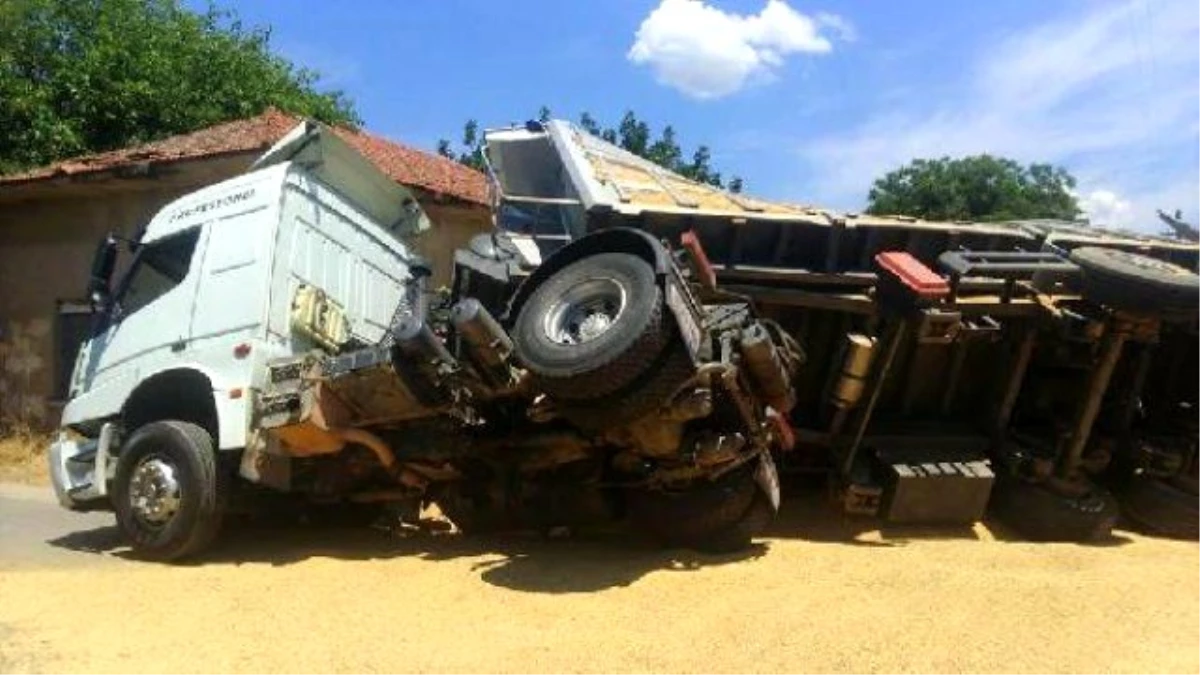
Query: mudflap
point(767, 478)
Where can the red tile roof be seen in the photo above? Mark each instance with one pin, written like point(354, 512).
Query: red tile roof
point(414, 168)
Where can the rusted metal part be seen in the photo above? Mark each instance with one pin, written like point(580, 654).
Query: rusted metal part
point(1121, 328)
point(387, 459)
point(1111, 346)
point(434, 473)
point(1016, 377)
point(767, 372)
point(689, 404)
point(319, 426)
point(715, 449)
point(652, 436)
point(698, 260)
point(785, 436)
point(266, 468)
point(309, 434)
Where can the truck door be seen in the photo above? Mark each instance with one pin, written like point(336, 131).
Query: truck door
point(147, 326)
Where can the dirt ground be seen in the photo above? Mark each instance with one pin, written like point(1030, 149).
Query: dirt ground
point(823, 593)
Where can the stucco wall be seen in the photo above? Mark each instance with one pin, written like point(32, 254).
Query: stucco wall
point(453, 227)
point(46, 248)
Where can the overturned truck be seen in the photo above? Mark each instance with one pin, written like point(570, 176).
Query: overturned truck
point(272, 343)
point(1043, 371)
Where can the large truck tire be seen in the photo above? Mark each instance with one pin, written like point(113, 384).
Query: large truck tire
point(1039, 513)
point(593, 327)
point(723, 516)
point(1163, 506)
point(169, 494)
point(1124, 280)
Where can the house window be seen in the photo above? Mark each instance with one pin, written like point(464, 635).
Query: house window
point(72, 325)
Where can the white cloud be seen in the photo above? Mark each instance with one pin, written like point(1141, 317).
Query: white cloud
point(709, 53)
point(1110, 94)
point(1104, 207)
point(839, 25)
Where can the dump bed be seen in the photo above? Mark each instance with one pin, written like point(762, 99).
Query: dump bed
point(556, 181)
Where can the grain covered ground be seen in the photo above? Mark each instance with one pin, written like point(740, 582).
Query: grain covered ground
point(823, 593)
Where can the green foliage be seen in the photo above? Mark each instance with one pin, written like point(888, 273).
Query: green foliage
point(80, 76)
point(632, 134)
point(979, 188)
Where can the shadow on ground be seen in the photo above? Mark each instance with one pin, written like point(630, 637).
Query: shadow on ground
point(580, 563)
point(520, 561)
point(813, 516)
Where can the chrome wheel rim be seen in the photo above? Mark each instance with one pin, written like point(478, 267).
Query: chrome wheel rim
point(154, 493)
point(585, 311)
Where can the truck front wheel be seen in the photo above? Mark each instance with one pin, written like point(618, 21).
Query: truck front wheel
point(168, 493)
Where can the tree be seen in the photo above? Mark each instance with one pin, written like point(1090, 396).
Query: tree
point(665, 151)
point(80, 76)
point(980, 187)
point(632, 134)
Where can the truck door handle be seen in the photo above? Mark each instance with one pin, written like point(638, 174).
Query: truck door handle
point(178, 345)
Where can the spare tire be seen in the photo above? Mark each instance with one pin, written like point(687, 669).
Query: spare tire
point(1124, 280)
point(593, 327)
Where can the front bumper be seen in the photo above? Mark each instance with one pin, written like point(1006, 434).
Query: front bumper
point(79, 470)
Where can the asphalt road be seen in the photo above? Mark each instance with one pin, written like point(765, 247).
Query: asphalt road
point(35, 532)
point(823, 593)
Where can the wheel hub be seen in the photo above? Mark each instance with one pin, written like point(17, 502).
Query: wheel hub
point(154, 492)
point(585, 311)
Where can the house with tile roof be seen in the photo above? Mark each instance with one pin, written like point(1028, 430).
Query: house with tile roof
point(52, 217)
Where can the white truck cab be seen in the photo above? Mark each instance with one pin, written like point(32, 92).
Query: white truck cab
point(208, 295)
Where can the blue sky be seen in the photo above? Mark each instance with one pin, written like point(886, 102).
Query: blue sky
point(808, 101)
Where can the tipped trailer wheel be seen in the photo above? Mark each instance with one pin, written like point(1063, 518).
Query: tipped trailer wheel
point(593, 327)
point(169, 493)
point(1129, 281)
point(723, 516)
point(1040, 512)
point(1163, 506)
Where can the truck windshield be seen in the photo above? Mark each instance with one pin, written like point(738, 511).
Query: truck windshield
point(157, 268)
point(542, 219)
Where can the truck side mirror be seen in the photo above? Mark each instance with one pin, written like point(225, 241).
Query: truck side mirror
point(103, 264)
